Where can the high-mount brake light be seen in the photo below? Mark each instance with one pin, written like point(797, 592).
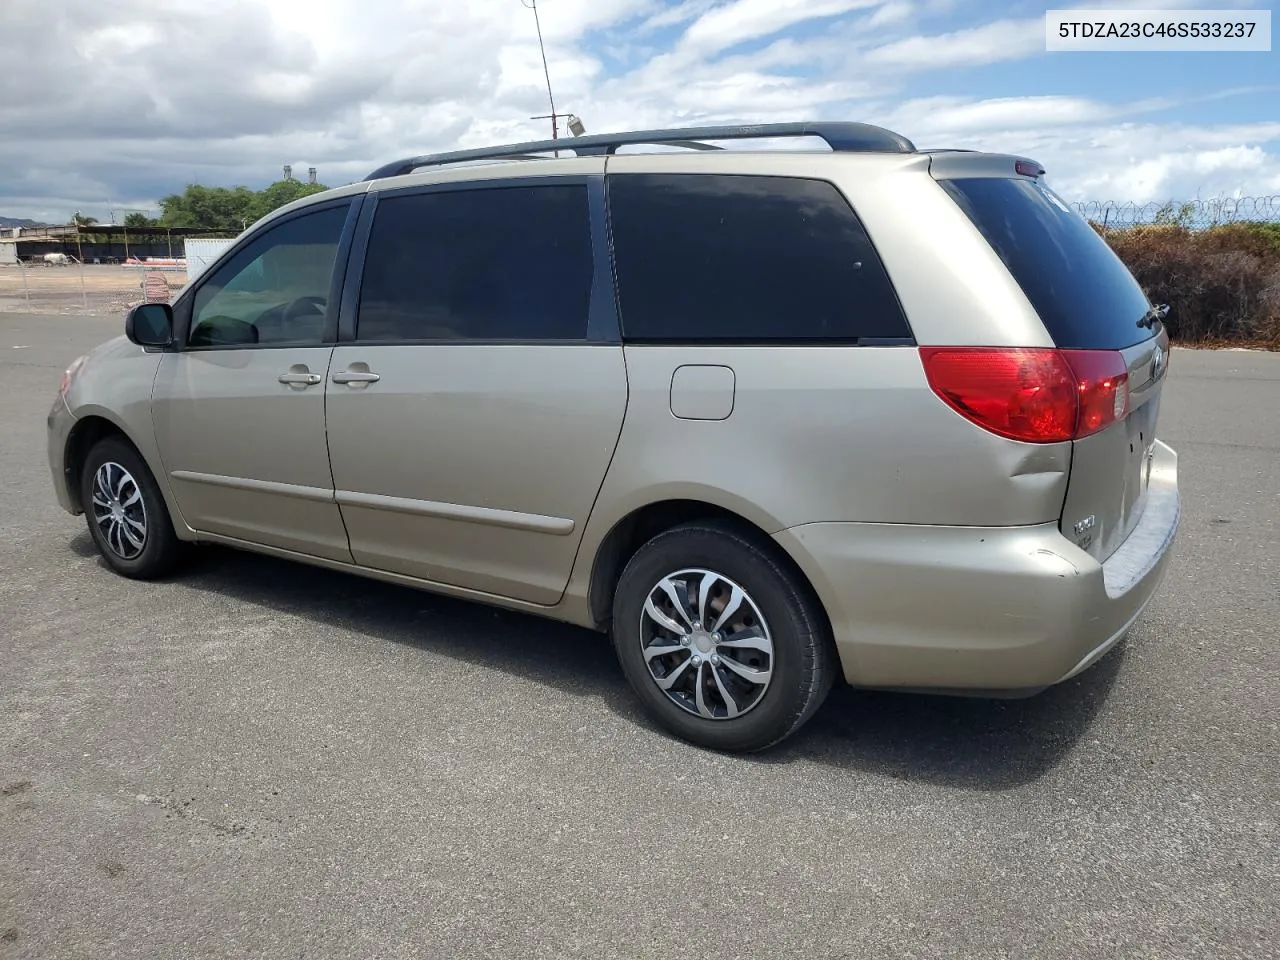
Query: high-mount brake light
point(1032, 394)
point(1026, 168)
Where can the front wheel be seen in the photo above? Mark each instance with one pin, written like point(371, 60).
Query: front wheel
point(723, 644)
point(126, 513)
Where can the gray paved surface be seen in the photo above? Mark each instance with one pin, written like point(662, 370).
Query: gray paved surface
point(266, 760)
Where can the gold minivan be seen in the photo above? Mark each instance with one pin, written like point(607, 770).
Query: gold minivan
point(770, 418)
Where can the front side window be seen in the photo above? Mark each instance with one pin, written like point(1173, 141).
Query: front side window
point(711, 258)
point(479, 264)
point(275, 290)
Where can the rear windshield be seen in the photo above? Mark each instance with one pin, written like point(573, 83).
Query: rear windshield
point(1084, 294)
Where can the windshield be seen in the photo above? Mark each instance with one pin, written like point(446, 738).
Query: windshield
point(1085, 295)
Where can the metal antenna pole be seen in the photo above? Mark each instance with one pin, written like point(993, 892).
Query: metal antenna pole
point(533, 5)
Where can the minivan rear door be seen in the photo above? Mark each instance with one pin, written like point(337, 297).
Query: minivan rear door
point(1087, 300)
point(478, 387)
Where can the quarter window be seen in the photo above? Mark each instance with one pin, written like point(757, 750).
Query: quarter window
point(1085, 295)
point(275, 290)
point(747, 259)
point(479, 264)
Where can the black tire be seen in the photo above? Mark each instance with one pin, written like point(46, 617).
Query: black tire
point(161, 549)
point(803, 660)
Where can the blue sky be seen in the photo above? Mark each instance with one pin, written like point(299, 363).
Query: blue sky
point(153, 94)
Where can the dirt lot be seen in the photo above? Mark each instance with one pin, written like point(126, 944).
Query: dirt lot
point(75, 288)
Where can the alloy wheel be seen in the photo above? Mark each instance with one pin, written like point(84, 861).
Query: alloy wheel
point(119, 511)
point(706, 644)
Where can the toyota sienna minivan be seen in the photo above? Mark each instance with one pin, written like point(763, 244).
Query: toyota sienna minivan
point(771, 419)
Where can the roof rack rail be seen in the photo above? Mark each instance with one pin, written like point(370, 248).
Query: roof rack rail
point(841, 137)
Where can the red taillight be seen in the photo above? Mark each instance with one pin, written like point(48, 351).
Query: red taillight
point(1102, 378)
point(1034, 394)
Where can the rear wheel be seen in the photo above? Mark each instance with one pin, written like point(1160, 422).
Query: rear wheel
point(724, 645)
point(126, 513)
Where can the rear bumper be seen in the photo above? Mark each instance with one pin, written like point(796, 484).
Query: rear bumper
point(59, 423)
point(982, 608)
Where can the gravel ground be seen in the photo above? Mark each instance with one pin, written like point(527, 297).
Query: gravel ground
point(265, 760)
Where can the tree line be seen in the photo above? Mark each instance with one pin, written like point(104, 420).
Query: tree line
point(217, 208)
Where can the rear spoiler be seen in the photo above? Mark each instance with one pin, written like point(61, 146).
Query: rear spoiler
point(945, 164)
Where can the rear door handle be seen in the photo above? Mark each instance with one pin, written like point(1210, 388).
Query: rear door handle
point(299, 377)
point(354, 374)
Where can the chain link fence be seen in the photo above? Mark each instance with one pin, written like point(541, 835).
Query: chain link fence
point(69, 286)
point(1195, 214)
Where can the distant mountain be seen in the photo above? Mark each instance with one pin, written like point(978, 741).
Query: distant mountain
point(16, 222)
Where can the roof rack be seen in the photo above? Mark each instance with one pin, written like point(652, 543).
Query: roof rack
point(840, 137)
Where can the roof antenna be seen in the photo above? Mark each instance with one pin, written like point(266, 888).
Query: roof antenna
point(533, 5)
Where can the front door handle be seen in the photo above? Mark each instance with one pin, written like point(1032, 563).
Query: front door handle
point(299, 377)
point(358, 374)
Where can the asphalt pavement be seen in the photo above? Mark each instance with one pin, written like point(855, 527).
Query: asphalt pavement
point(258, 759)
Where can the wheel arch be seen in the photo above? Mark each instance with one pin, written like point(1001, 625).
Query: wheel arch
point(643, 523)
point(94, 424)
point(89, 429)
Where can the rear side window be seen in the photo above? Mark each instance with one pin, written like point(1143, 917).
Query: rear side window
point(503, 263)
point(746, 259)
point(1084, 294)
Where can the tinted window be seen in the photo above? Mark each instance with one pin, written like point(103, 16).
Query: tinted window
point(745, 258)
point(501, 263)
point(275, 289)
point(1084, 294)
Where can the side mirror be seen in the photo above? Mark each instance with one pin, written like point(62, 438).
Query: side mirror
point(150, 325)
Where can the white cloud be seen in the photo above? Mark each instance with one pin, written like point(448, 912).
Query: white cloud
point(1147, 5)
point(1230, 158)
point(680, 13)
point(896, 11)
point(732, 23)
point(994, 42)
point(1102, 151)
point(149, 95)
point(1099, 150)
point(950, 116)
point(568, 20)
point(766, 94)
point(1191, 163)
point(990, 43)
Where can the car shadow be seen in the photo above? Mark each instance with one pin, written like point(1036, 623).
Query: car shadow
point(82, 545)
point(970, 743)
point(974, 743)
